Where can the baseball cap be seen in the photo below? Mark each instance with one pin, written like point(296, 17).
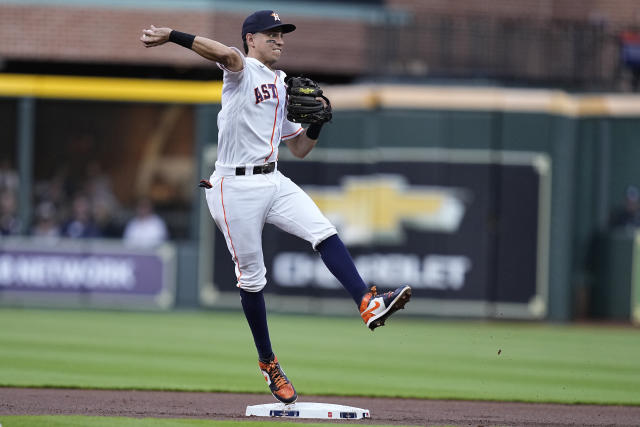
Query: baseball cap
point(263, 20)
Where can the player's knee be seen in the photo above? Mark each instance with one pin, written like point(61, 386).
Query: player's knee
point(326, 234)
point(251, 287)
point(251, 271)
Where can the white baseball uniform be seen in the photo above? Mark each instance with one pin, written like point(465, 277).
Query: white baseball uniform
point(251, 124)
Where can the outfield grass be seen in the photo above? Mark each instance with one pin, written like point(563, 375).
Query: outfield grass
point(323, 355)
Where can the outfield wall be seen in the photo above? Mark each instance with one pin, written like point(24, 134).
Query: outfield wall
point(588, 141)
point(591, 143)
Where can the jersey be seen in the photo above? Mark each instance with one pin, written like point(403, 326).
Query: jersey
point(251, 124)
point(253, 119)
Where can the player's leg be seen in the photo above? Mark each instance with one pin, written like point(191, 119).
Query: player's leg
point(239, 208)
point(240, 220)
point(295, 212)
point(374, 308)
point(255, 312)
point(338, 260)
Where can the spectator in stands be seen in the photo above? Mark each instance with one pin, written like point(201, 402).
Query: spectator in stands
point(106, 218)
point(8, 177)
point(97, 185)
point(55, 189)
point(630, 55)
point(629, 214)
point(9, 221)
point(146, 229)
point(104, 203)
point(46, 223)
point(81, 224)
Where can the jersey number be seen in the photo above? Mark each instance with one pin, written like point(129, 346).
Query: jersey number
point(262, 93)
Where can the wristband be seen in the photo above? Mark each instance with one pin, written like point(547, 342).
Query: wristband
point(183, 39)
point(313, 131)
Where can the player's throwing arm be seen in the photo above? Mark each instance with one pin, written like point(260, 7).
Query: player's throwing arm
point(207, 48)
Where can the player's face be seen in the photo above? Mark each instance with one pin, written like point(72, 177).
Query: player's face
point(268, 46)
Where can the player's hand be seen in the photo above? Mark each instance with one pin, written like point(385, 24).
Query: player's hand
point(154, 36)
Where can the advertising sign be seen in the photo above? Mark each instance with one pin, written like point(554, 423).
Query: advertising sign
point(87, 273)
point(465, 230)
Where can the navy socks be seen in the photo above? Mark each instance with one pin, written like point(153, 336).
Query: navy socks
point(256, 314)
point(337, 259)
point(339, 262)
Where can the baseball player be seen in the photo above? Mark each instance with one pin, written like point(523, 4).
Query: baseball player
point(246, 189)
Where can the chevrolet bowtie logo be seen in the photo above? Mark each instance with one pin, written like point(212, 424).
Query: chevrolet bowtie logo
point(373, 208)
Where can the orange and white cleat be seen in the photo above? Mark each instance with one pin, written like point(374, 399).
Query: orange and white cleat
point(279, 384)
point(376, 308)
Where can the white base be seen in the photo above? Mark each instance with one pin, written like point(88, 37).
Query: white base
point(307, 410)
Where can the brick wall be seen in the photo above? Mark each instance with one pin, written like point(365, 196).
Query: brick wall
point(548, 41)
point(103, 35)
point(614, 11)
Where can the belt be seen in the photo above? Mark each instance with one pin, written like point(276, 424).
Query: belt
point(260, 169)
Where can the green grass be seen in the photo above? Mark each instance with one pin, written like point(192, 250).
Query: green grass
point(411, 357)
point(81, 421)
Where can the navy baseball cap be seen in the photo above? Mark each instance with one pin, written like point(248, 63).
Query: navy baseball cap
point(263, 20)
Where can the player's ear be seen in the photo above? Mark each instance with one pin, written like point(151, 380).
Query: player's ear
point(244, 44)
point(250, 40)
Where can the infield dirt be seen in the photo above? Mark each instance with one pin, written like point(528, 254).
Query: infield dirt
point(226, 406)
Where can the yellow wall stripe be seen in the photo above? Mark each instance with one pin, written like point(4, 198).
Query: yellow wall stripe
point(111, 89)
point(547, 101)
point(361, 97)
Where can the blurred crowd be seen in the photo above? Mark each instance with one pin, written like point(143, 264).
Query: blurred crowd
point(78, 208)
point(88, 208)
point(9, 222)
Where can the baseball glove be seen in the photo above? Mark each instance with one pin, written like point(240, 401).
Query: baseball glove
point(303, 105)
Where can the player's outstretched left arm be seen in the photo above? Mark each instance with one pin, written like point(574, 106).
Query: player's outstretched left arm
point(207, 48)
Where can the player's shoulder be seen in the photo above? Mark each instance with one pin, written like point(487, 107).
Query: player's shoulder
point(255, 64)
point(234, 74)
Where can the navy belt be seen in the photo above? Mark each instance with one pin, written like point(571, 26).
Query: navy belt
point(257, 170)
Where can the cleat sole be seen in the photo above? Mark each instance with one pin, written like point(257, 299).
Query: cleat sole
point(284, 402)
point(396, 305)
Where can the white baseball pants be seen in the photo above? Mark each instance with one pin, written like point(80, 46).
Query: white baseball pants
point(240, 206)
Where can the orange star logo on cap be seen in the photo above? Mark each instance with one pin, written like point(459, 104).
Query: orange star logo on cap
point(275, 16)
